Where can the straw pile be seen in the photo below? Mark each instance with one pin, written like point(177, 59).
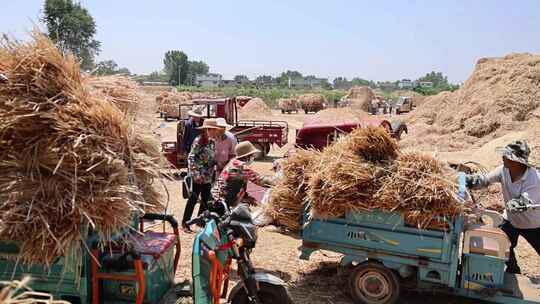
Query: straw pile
point(117, 89)
point(168, 102)
point(17, 292)
point(360, 97)
point(255, 108)
point(65, 155)
point(288, 104)
point(502, 95)
point(287, 198)
point(337, 115)
point(362, 172)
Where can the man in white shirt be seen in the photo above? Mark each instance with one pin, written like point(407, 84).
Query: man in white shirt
point(225, 144)
point(521, 189)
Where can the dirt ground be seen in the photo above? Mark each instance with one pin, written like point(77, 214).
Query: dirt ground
point(315, 281)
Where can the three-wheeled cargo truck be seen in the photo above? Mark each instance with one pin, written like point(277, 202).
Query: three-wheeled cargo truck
point(387, 255)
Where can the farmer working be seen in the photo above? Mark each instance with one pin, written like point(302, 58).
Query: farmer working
point(521, 188)
point(191, 130)
point(231, 185)
point(225, 144)
point(201, 165)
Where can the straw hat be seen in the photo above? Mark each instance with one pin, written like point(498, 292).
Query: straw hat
point(222, 123)
point(196, 112)
point(209, 124)
point(244, 149)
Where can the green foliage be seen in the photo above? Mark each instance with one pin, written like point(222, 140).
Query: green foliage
point(72, 28)
point(156, 77)
point(440, 84)
point(283, 79)
point(241, 78)
point(176, 67)
point(109, 67)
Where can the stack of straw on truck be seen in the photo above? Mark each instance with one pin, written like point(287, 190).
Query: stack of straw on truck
point(312, 102)
point(70, 160)
point(168, 103)
point(365, 171)
point(288, 105)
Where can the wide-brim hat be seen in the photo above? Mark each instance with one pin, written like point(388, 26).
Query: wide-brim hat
point(222, 123)
point(244, 149)
point(196, 112)
point(209, 124)
point(517, 151)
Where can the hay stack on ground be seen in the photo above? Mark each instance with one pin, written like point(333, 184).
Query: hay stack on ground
point(287, 200)
point(502, 95)
point(338, 115)
point(360, 97)
point(365, 171)
point(255, 108)
point(65, 156)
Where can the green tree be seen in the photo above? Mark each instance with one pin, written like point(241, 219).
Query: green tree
point(437, 78)
point(284, 77)
point(157, 77)
point(241, 78)
point(72, 28)
point(107, 67)
point(124, 71)
point(198, 67)
point(176, 67)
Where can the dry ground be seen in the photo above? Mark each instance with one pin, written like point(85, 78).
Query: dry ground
point(315, 281)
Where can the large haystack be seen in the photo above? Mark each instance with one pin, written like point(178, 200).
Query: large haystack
point(288, 104)
point(360, 97)
point(117, 89)
point(69, 159)
point(256, 108)
point(311, 100)
point(337, 115)
point(501, 95)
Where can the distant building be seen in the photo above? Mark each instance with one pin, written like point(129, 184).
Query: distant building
point(267, 83)
point(405, 84)
point(208, 80)
point(387, 85)
point(304, 83)
point(425, 84)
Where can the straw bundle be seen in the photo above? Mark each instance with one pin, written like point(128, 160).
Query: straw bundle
point(311, 100)
point(287, 199)
point(17, 292)
point(65, 155)
point(118, 90)
point(288, 104)
point(423, 188)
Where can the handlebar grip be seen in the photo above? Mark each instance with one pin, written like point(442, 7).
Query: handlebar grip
point(161, 217)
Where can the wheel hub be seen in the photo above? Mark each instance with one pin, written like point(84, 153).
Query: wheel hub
point(374, 285)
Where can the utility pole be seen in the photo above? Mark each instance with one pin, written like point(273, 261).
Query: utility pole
point(179, 70)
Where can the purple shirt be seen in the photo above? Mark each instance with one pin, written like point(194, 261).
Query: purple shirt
point(225, 149)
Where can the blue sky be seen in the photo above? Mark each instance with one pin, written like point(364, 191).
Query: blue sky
point(379, 40)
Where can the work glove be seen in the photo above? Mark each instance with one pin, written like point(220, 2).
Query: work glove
point(471, 181)
point(520, 204)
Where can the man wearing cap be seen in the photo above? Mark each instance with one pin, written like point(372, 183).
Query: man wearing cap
point(225, 144)
point(191, 130)
point(232, 182)
point(521, 187)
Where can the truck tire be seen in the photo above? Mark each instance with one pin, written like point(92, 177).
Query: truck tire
point(372, 283)
point(305, 110)
point(268, 294)
point(282, 111)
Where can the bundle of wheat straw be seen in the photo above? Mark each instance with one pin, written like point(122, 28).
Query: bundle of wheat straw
point(348, 173)
point(17, 292)
point(118, 90)
point(287, 200)
point(65, 155)
point(421, 187)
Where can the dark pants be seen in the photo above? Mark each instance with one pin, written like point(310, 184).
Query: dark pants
point(198, 189)
point(531, 235)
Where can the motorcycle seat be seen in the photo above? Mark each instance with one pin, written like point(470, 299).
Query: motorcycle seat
point(153, 243)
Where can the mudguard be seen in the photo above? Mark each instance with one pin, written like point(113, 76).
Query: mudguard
point(259, 277)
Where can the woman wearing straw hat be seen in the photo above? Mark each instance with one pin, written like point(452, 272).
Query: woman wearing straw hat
point(520, 183)
point(232, 182)
point(225, 144)
point(201, 166)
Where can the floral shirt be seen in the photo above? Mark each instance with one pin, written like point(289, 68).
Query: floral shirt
point(237, 172)
point(202, 162)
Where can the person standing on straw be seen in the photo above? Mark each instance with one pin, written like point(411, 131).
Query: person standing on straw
point(225, 144)
point(201, 166)
point(231, 185)
point(521, 191)
point(191, 130)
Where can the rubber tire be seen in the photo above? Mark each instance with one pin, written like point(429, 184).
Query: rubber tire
point(268, 293)
point(306, 111)
point(260, 147)
point(166, 117)
point(389, 276)
point(282, 111)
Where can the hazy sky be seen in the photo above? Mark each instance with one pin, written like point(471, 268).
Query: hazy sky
point(379, 40)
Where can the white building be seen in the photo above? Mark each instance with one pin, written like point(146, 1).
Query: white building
point(406, 84)
point(208, 80)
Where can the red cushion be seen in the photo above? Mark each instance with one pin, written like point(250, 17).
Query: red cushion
point(153, 243)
